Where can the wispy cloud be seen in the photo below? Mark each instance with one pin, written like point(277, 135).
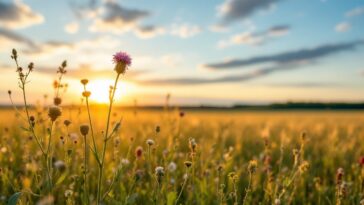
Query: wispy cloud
point(343, 27)
point(355, 12)
point(307, 54)
point(233, 10)
point(16, 15)
point(185, 30)
point(10, 39)
point(225, 79)
point(306, 84)
point(72, 27)
point(257, 38)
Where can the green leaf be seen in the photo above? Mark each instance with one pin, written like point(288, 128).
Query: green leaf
point(171, 198)
point(14, 198)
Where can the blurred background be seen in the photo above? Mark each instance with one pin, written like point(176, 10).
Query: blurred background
point(216, 52)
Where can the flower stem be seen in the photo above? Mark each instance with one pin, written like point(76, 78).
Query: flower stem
point(101, 165)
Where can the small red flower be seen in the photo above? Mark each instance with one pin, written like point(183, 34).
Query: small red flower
point(361, 161)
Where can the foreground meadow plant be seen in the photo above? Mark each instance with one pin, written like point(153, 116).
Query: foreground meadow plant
point(54, 112)
point(122, 61)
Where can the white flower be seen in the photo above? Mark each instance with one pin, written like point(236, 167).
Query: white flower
point(172, 167)
point(125, 161)
point(150, 142)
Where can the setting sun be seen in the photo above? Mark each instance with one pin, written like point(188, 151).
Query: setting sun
point(100, 90)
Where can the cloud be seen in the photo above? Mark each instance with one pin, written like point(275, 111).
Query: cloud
point(112, 17)
point(343, 27)
point(355, 12)
point(149, 31)
point(307, 54)
point(18, 15)
point(233, 10)
point(10, 39)
point(72, 27)
point(185, 30)
point(258, 38)
point(305, 84)
point(225, 79)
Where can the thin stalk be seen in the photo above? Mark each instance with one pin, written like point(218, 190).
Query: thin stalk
point(49, 158)
point(91, 127)
point(101, 165)
point(183, 186)
point(248, 190)
point(85, 170)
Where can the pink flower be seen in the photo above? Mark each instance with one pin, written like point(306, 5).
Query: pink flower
point(122, 57)
point(121, 60)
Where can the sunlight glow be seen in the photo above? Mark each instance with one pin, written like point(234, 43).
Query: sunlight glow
point(100, 90)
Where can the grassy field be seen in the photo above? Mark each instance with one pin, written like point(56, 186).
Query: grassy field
point(231, 157)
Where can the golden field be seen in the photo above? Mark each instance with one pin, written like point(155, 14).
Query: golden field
point(208, 157)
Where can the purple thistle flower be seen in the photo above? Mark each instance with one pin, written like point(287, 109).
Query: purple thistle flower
point(122, 57)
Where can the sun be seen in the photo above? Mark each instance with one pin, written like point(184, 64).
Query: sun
point(100, 90)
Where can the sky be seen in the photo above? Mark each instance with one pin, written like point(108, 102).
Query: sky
point(212, 52)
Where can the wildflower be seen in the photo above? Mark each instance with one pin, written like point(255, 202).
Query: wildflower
point(252, 166)
point(86, 94)
point(304, 166)
point(54, 112)
point(31, 66)
point(172, 167)
point(339, 175)
point(193, 144)
point(57, 101)
point(84, 129)
point(150, 142)
point(125, 161)
point(138, 174)
point(62, 68)
point(14, 54)
point(188, 164)
point(9, 92)
point(232, 175)
point(122, 60)
point(84, 81)
point(159, 171)
point(31, 118)
point(68, 193)
point(60, 165)
point(277, 202)
point(66, 123)
point(361, 161)
point(181, 114)
point(157, 129)
point(139, 152)
point(47, 200)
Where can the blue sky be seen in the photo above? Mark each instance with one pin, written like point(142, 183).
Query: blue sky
point(202, 52)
